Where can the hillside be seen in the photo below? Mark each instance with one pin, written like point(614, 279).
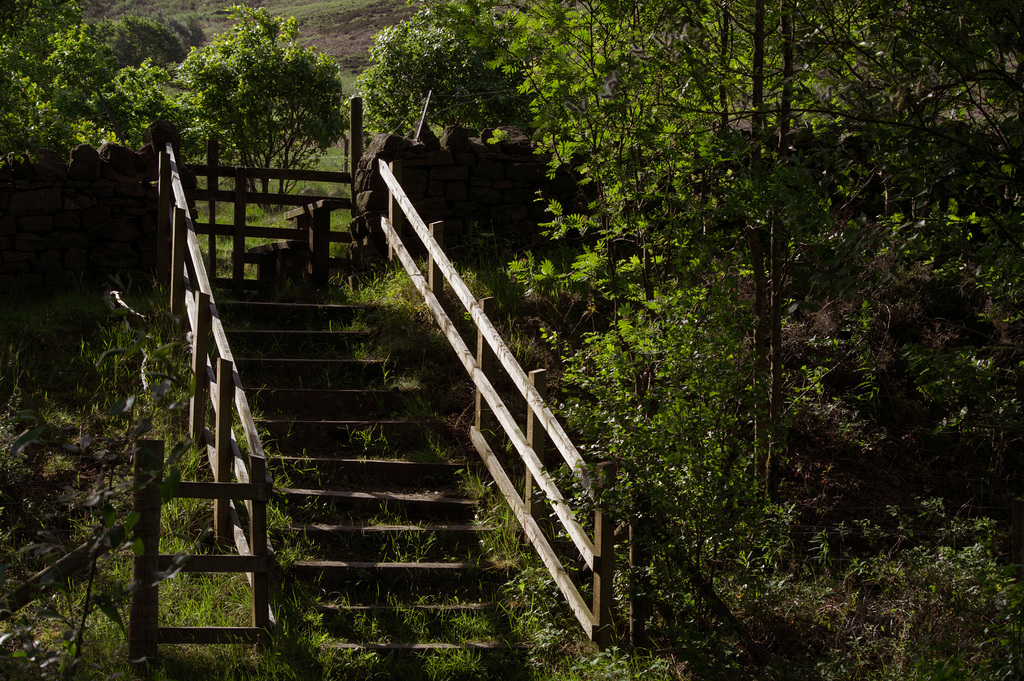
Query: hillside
point(344, 29)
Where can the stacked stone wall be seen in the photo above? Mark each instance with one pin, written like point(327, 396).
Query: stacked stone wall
point(80, 220)
point(495, 183)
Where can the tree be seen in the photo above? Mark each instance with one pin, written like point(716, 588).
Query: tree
point(51, 68)
point(272, 101)
point(136, 39)
point(448, 49)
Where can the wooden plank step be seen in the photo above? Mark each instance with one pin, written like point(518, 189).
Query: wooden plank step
point(364, 529)
point(289, 436)
point(309, 373)
point(415, 505)
point(308, 401)
point(292, 312)
point(385, 569)
point(420, 505)
point(297, 335)
point(426, 647)
point(420, 607)
point(397, 472)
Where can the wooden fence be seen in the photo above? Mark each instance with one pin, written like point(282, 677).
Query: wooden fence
point(309, 238)
point(597, 553)
point(236, 477)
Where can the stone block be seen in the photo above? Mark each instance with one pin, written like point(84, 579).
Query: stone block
point(116, 230)
point(66, 221)
point(128, 188)
point(486, 195)
point(36, 201)
point(372, 201)
point(85, 164)
point(432, 205)
point(78, 201)
point(113, 256)
point(69, 239)
point(519, 195)
point(36, 224)
point(465, 159)
point(28, 242)
point(466, 208)
point(479, 182)
point(490, 169)
point(8, 225)
point(50, 166)
point(455, 192)
point(455, 138)
point(448, 173)
point(17, 256)
point(414, 181)
point(527, 172)
point(46, 265)
point(441, 157)
point(92, 217)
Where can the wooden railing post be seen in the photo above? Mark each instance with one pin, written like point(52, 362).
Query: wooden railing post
point(212, 184)
point(163, 220)
point(224, 455)
point(395, 214)
point(238, 234)
point(604, 562)
point(356, 136)
point(640, 608)
point(1017, 537)
point(258, 545)
point(485, 360)
point(435, 278)
point(201, 327)
point(143, 620)
point(178, 238)
point(537, 437)
point(320, 246)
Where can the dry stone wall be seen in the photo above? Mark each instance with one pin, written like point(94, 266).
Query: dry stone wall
point(82, 219)
point(495, 183)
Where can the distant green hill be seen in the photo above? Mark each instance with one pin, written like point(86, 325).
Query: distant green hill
point(343, 29)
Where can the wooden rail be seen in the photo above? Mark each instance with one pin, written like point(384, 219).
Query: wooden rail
point(597, 553)
point(236, 478)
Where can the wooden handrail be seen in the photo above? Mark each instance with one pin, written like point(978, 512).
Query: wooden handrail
point(224, 388)
point(501, 351)
point(543, 479)
point(598, 553)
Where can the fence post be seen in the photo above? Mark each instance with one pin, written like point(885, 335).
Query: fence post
point(143, 620)
point(604, 562)
point(1017, 537)
point(639, 559)
point(435, 279)
point(178, 237)
point(258, 545)
point(163, 218)
point(212, 184)
point(395, 214)
point(320, 246)
point(223, 454)
point(200, 348)
point(537, 437)
point(484, 360)
point(238, 234)
point(356, 135)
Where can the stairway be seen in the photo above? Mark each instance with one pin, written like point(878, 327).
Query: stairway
point(380, 529)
